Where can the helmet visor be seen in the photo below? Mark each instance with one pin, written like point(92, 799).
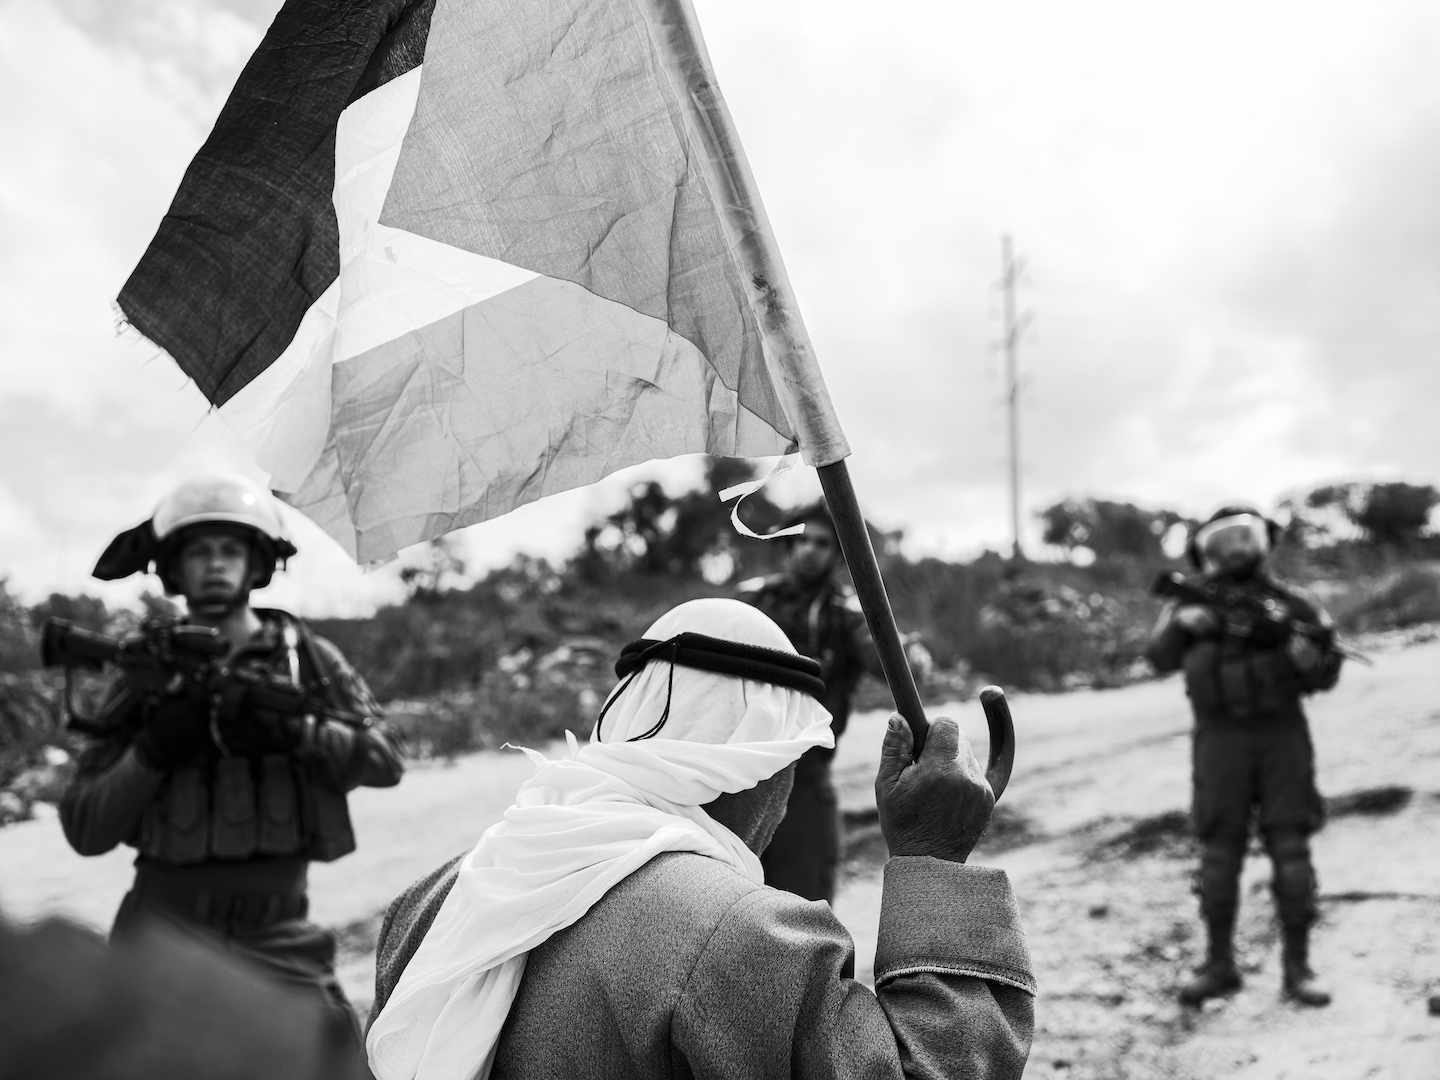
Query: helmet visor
point(1232, 542)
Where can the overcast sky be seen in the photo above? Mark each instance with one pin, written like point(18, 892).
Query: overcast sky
point(1230, 213)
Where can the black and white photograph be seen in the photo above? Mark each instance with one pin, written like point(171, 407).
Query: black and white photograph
point(564, 539)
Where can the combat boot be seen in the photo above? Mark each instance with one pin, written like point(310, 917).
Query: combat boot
point(1301, 986)
point(1219, 975)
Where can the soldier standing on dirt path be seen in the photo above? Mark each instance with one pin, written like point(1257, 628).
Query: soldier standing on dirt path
point(1246, 667)
point(227, 801)
point(823, 620)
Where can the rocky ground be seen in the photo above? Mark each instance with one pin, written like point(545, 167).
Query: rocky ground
point(1092, 832)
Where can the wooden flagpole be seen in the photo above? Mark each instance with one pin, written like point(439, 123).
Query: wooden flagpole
point(675, 33)
point(874, 600)
point(859, 555)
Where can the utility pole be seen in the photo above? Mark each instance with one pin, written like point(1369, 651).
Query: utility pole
point(1014, 327)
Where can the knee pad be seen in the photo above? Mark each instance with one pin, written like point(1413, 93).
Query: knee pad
point(1293, 877)
point(1227, 852)
point(1221, 861)
point(1287, 843)
point(1290, 854)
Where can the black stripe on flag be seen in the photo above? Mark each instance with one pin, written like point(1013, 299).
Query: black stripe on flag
point(250, 240)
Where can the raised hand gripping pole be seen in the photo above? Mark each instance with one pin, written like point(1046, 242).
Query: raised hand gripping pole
point(870, 588)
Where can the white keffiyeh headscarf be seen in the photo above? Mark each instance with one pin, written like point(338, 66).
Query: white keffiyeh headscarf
point(581, 825)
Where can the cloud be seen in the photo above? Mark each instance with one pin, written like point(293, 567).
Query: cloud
point(1159, 167)
point(193, 49)
point(1228, 213)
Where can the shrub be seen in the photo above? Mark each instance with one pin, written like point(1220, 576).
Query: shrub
point(1403, 597)
point(1108, 529)
point(1043, 636)
point(1391, 514)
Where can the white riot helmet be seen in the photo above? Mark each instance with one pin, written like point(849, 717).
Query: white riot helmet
point(220, 499)
point(1235, 536)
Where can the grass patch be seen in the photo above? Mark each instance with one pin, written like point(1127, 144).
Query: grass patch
point(1168, 834)
point(865, 849)
point(1369, 802)
point(1008, 828)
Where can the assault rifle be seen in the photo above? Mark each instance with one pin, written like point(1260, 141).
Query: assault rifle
point(1245, 615)
point(165, 658)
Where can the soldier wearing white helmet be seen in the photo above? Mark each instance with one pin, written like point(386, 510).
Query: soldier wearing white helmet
point(219, 501)
point(226, 797)
point(1250, 651)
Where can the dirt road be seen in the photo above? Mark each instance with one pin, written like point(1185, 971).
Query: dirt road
point(1092, 833)
point(1094, 838)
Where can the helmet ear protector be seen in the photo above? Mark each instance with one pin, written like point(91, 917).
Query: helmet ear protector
point(215, 501)
point(719, 655)
point(1194, 546)
point(135, 550)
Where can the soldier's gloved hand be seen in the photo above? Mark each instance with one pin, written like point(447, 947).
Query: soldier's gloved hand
point(279, 733)
point(1198, 620)
point(1305, 655)
point(937, 806)
point(176, 732)
point(251, 730)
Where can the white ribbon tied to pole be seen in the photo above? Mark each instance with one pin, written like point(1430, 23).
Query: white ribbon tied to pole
point(740, 492)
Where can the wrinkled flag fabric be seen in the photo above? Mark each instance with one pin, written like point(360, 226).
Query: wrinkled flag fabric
point(438, 260)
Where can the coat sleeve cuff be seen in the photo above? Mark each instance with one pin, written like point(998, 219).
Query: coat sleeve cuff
point(948, 918)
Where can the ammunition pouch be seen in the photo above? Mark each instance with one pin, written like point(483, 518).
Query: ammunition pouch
point(1239, 684)
point(237, 808)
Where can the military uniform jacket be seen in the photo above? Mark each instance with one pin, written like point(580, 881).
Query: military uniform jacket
point(825, 623)
point(1243, 674)
point(688, 969)
point(236, 808)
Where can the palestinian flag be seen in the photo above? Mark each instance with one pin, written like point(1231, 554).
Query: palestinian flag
point(437, 260)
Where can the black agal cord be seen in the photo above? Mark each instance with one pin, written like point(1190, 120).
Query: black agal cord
point(718, 655)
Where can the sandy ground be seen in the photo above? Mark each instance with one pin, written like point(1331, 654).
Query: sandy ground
point(1092, 834)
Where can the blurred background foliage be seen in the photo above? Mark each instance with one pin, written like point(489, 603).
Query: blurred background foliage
point(525, 652)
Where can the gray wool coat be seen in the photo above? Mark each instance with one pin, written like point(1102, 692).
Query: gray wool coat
point(687, 969)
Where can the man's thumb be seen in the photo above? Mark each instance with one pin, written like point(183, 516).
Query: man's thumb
point(895, 750)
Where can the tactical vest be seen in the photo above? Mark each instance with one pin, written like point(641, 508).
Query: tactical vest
point(1244, 674)
point(1240, 684)
point(238, 808)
